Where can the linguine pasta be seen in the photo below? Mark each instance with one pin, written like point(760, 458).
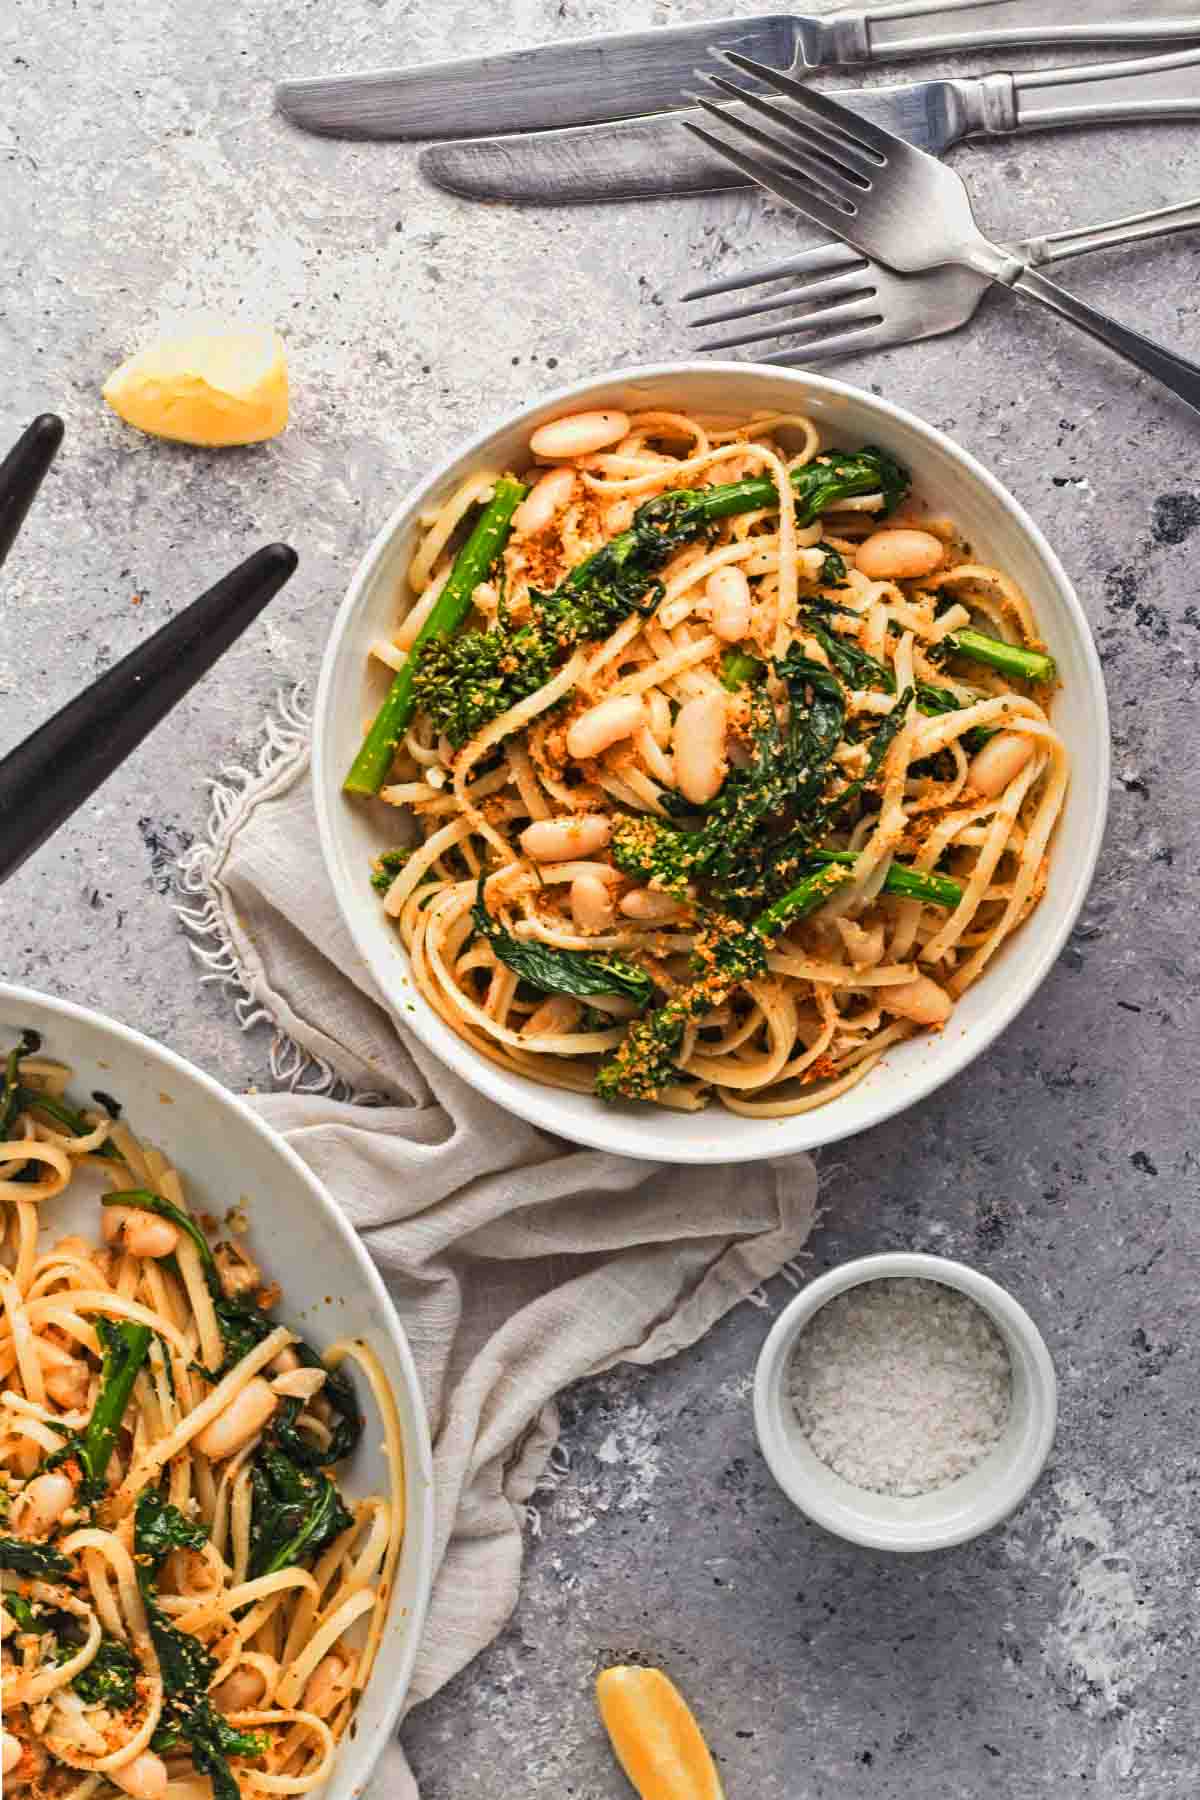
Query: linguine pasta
point(732, 769)
point(190, 1606)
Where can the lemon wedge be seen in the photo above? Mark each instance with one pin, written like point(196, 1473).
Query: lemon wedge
point(655, 1737)
point(215, 388)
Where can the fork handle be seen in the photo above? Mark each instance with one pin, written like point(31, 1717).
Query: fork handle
point(1163, 221)
point(1175, 372)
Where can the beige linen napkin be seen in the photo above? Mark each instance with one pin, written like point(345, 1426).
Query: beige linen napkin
point(518, 1263)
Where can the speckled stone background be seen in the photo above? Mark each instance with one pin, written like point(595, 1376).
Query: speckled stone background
point(142, 175)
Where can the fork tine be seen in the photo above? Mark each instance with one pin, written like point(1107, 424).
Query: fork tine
point(834, 287)
point(841, 190)
point(770, 176)
point(843, 154)
point(860, 132)
point(808, 262)
point(849, 310)
point(842, 343)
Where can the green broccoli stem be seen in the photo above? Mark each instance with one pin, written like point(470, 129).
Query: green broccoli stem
point(368, 771)
point(123, 1357)
point(1010, 659)
point(906, 883)
point(801, 900)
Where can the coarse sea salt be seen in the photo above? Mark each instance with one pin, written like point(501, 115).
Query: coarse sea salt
point(901, 1386)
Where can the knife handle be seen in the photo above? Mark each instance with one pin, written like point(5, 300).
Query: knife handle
point(920, 27)
point(1151, 87)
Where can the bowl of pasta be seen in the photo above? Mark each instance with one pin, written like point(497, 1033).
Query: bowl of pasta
point(215, 1471)
point(710, 761)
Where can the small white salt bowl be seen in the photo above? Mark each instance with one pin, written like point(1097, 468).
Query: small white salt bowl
point(964, 1508)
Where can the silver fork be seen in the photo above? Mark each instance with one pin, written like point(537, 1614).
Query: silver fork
point(894, 203)
point(878, 308)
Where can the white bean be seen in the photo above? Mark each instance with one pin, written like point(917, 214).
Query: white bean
point(899, 554)
point(700, 765)
point(600, 726)
point(651, 907)
point(244, 1688)
point(241, 1420)
point(922, 1001)
point(548, 495)
point(285, 1361)
point(659, 709)
point(728, 594)
point(579, 434)
point(67, 1385)
point(145, 1777)
point(865, 947)
point(557, 1014)
point(299, 1384)
point(142, 1233)
point(10, 1752)
point(995, 764)
point(560, 840)
point(591, 903)
point(326, 1686)
point(43, 1503)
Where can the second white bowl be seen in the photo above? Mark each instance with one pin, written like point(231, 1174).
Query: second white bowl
point(963, 1509)
point(999, 530)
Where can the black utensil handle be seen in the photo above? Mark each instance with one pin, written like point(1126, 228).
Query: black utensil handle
point(45, 778)
point(22, 472)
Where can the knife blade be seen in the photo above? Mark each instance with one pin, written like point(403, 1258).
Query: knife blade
point(642, 159)
point(587, 80)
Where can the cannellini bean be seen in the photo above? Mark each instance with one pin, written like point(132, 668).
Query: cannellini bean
point(241, 1420)
point(560, 840)
point(43, 1503)
point(594, 730)
point(558, 1013)
point(326, 1686)
point(649, 906)
point(865, 947)
point(700, 765)
point(995, 764)
point(899, 554)
point(10, 1752)
point(285, 1361)
point(68, 1385)
point(244, 1688)
point(299, 1384)
point(546, 497)
point(579, 434)
point(922, 1001)
point(658, 708)
point(728, 594)
point(591, 903)
point(140, 1232)
point(145, 1777)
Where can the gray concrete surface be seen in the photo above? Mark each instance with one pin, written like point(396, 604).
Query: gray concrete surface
point(142, 174)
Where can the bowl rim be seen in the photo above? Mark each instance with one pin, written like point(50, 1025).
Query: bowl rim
point(631, 1133)
point(1016, 1327)
point(419, 1496)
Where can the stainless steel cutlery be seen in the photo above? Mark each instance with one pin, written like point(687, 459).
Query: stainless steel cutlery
point(851, 304)
point(893, 202)
point(651, 158)
point(584, 80)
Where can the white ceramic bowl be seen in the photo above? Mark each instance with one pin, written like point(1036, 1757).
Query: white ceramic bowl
point(988, 1493)
point(331, 1288)
point(1001, 531)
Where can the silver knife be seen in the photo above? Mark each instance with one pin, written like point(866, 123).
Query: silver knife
point(585, 80)
point(640, 159)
